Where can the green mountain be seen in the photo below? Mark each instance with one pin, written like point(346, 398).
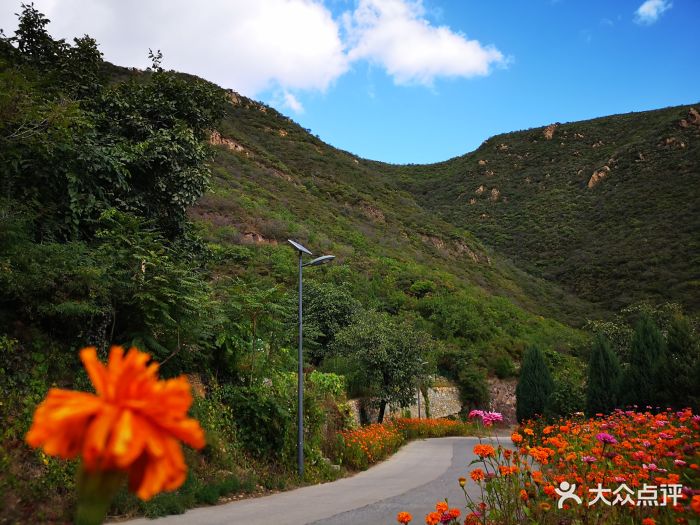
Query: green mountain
point(569, 221)
point(607, 208)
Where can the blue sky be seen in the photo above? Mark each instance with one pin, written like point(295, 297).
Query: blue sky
point(410, 81)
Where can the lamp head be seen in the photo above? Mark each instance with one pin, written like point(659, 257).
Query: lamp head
point(320, 260)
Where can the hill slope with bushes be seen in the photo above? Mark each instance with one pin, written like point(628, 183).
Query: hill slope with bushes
point(608, 208)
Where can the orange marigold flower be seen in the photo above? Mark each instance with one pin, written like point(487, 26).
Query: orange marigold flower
point(523, 495)
point(403, 517)
point(648, 521)
point(134, 422)
point(477, 474)
point(529, 432)
point(695, 504)
point(484, 450)
point(454, 513)
point(516, 438)
point(433, 518)
point(441, 506)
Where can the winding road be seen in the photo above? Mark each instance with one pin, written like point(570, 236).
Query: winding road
point(412, 480)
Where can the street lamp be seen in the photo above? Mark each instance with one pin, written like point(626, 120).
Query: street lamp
point(300, 388)
point(421, 367)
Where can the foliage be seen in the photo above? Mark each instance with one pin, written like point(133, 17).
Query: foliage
point(548, 220)
point(388, 354)
point(645, 374)
point(535, 386)
point(603, 378)
point(328, 308)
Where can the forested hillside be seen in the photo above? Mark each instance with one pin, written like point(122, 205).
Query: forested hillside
point(608, 208)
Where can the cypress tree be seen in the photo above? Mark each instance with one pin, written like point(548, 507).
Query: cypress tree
point(642, 379)
point(535, 386)
point(603, 378)
point(682, 367)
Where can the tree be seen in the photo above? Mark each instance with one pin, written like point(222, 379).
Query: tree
point(644, 379)
point(683, 360)
point(535, 386)
point(388, 353)
point(603, 378)
point(328, 308)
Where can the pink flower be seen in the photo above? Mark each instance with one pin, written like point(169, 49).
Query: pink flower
point(589, 459)
point(604, 437)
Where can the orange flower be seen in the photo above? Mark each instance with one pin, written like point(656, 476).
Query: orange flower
point(516, 438)
point(484, 450)
point(441, 506)
point(462, 482)
point(133, 424)
point(477, 474)
point(523, 495)
point(695, 504)
point(403, 517)
point(454, 513)
point(648, 521)
point(433, 518)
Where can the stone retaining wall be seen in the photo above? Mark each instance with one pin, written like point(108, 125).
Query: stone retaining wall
point(444, 401)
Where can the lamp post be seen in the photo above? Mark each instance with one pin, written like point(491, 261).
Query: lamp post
point(300, 388)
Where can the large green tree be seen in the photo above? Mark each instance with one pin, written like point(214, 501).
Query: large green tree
point(603, 378)
point(389, 354)
point(535, 386)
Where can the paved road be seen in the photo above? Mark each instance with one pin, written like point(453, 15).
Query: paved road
point(417, 476)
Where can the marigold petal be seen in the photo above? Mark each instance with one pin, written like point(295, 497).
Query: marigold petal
point(95, 369)
point(60, 420)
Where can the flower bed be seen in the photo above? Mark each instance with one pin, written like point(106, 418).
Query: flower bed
point(359, 448)
point(624, 468)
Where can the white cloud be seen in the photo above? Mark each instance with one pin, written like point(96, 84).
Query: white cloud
point(650, 11)
point(396, 35)
point(292, 102)
point(284, 47)
point(246, 45)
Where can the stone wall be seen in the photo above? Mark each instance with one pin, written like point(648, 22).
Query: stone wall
point(444, 401)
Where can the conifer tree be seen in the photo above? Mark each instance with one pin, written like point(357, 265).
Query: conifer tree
point(683, 360)
point(535, 386)
point(603, 378)
point(642, 381)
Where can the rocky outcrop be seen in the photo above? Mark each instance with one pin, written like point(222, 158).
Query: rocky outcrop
point(672, 143)
point(483, 162)
point(480, 190)
point(373, 213)
point(598, 175)
point(495, 194)
point(502, 398)
point(693, 119)
point(216, 139)
point(549, 131)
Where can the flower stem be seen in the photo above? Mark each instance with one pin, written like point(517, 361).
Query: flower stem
point(95, 492)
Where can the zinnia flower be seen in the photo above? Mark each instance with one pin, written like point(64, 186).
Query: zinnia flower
point(133, 423)
point(604, 437)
